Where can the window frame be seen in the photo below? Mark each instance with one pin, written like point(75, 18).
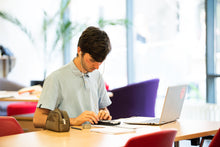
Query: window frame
point(211, 6)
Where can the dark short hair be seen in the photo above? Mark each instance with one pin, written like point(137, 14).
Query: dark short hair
point(95, 42)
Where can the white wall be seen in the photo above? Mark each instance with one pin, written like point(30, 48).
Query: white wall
point(29, 56)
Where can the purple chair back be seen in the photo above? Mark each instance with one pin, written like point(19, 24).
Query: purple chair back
point(134, 100)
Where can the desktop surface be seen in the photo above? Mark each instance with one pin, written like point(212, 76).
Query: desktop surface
point(186, 130)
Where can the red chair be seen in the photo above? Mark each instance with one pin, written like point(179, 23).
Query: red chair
point(21, 108)
point(9, 126)
point(216, 140)
point(163, 138)
point(106, 86)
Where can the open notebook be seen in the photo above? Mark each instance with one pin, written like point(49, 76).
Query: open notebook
point(172, 107)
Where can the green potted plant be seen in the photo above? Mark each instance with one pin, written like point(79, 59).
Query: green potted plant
point(65, 30)
point(8, 55)
point(17, 23)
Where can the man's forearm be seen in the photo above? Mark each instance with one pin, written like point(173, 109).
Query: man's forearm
point(40, 118)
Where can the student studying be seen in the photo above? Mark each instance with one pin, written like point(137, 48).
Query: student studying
point(78, 87)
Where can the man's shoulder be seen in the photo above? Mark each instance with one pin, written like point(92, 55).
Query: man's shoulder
point(61, 70)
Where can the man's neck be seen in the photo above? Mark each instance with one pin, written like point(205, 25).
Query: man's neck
point(77, 62)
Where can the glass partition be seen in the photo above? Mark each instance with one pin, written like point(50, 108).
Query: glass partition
point(169, 44)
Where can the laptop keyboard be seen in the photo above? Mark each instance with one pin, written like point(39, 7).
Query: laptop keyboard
point(152, 121)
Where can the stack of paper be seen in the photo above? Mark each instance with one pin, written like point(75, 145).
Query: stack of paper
point(112, 130)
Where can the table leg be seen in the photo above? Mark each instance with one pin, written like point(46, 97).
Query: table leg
point(176, 144)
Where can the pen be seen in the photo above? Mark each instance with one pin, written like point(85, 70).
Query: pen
point(76, 128)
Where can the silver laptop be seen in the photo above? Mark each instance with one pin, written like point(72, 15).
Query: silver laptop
point(172, 107)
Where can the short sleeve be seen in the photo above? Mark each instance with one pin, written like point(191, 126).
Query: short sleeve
point(50, 94)
point(104, 98)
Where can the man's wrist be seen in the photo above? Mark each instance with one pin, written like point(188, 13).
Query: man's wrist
point(73, 122)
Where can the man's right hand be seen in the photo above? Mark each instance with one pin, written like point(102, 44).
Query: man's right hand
point(89, 116)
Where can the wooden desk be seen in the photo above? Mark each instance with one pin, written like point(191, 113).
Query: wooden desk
point(85, 138)
point(17, 97)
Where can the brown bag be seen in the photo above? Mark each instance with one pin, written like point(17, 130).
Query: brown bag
point(58, 120)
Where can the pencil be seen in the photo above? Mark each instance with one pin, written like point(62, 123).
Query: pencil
point(76, 128)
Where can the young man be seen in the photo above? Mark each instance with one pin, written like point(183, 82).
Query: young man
point(78, 87)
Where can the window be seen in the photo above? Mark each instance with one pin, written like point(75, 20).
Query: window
point(29, 57)
point(167, 40)
point(169, 44)
point(213, 50)
point(87, 12)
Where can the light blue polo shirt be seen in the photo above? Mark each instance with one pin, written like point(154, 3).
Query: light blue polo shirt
point(70, 90)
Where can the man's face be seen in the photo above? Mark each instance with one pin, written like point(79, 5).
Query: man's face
point(88, 63)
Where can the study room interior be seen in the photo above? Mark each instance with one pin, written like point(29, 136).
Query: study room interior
point(155, 45)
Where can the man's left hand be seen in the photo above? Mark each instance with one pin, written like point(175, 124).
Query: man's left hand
point(104, 114)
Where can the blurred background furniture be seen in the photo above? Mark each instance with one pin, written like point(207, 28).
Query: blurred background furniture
point(8, 85)
point(6, 64)
point(16, 109)
point(9, 126)
point(215, 140)
point(163, 138)
point(134, 100)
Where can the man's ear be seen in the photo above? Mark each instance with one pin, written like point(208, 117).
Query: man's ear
point(78, 49)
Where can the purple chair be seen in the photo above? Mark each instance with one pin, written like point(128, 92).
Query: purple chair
point(134, 100)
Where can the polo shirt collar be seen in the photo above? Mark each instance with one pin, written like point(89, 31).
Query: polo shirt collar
point(77, 72)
